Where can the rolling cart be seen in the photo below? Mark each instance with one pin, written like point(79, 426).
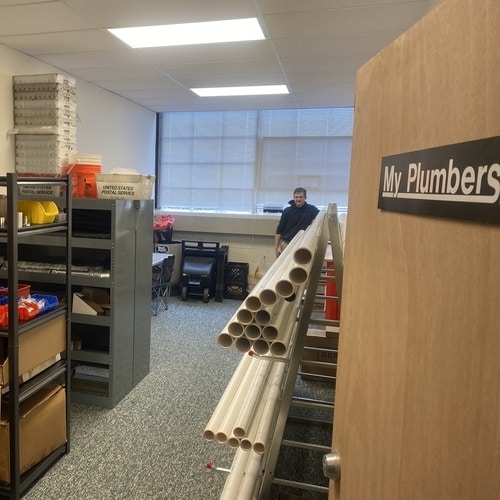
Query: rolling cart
point(199, 269)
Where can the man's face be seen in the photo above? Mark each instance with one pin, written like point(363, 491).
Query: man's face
point(299, 199)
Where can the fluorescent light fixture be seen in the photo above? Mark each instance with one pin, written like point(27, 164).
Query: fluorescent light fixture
point(233, 30)
point(235, 91)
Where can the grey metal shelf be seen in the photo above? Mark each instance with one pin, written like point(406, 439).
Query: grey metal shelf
point(119, 232)
point(48, 237)
point(91, 357)
point(12, 238)
point(60, 278)
point(124, 236)
point(91, 320)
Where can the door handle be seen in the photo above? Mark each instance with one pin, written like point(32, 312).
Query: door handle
point(331, 466)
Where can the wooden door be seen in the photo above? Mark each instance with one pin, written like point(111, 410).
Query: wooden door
point(417, 413)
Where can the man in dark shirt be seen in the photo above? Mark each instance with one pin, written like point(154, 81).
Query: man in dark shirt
point(297, 216)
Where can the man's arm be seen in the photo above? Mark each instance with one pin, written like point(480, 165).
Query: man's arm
point(277, 244)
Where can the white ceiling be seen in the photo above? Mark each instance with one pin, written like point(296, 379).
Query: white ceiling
point(313, 46)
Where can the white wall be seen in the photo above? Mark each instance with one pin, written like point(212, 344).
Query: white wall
point(122, 132)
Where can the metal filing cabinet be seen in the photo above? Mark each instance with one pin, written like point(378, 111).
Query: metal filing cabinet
point(118, 234)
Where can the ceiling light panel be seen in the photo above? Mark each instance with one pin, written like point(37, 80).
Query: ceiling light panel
point(233, 30)
point(238, 91)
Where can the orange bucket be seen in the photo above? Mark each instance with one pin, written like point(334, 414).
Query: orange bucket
point(83, 182)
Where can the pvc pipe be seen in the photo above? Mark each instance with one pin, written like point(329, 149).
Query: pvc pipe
point(253, 302)
point(269, 410)
point(233, 481)
point(225, 340)
point(278, 285)
point(261, 346)
point(283, 310)
point(300, 274)
point(270, 332)
point(226, 426)
point(305, 251)
point(242, 344)
point(268, 296)
point(263, 316)
point(235, 329)
point(280, 344)
point(225, 400)
point(249, 404)
point(233, 320)
point(246, 444)
point(278, 348)
point(252, 331)
point(252, 470)
point(285, 288)
point(247, 441)
point(233, 441)
point(244, 316)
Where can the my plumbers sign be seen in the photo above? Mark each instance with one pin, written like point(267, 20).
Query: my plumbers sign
point(461, 181)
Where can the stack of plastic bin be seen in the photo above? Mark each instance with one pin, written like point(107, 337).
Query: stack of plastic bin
point(45, 118)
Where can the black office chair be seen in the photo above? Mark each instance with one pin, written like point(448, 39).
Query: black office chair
point(161, 284)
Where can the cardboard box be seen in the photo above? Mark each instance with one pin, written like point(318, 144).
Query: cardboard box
point(97, 298)
point(85, 305)
point(24, 377)
point(320, 339)
point(42, 429)
point(35, 346)
point(124, 186)
point(98, 295)
point(327, 339)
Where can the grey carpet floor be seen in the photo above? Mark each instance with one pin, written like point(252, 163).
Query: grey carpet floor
point(150, 446)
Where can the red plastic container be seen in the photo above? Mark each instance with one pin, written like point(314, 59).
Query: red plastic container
point(83, 182)
point(27, 309)
point(4, 315)
point(22, 290)
point(83, 169)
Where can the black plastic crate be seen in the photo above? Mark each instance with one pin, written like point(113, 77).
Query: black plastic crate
point(235, 291)
point(236, 272)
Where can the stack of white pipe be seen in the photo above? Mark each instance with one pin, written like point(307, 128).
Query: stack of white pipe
point(244, 416)
point(266, 322)
point(245, 469)
point(263, 322)
point(238, 405)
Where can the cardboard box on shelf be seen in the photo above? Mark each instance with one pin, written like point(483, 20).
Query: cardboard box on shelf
point(36, 346)
point(24, 377)
point(98, 295)
point(327, 338)
point(42, 429)
point(85, 305)
point(93, 301)
point(316, 340)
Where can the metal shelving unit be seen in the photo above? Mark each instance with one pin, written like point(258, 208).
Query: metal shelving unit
point(18, 392)
point(120, 233)
point(329, 234)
